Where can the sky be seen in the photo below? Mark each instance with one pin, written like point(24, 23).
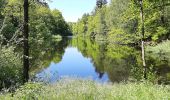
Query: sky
point(73, 9)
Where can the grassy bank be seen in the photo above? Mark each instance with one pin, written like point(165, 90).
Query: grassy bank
point(74, 89)
point(161, 47)
point(159, 51)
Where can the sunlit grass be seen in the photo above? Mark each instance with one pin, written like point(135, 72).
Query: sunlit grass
point(161, 47)
point(78, 89)
point(160, 50)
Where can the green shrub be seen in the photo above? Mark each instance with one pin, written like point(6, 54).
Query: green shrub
point(10, 67)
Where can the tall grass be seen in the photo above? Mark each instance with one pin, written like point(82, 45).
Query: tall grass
point(78, 89)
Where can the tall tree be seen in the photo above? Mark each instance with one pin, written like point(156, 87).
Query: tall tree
point(101, 3)
point(143, 34)
point(25, 45)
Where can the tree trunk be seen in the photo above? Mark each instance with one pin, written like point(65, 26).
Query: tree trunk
point(142, 40)
point(25, 44)
point(162, 9)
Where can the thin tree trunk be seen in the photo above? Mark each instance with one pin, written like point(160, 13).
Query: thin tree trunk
point(142, 40)
point(3, 25)
point(162, 9)
point(25, 45)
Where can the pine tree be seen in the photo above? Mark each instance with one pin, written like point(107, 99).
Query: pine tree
point(101, 3)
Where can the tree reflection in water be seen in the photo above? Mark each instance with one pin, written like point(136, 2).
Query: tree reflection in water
point(120, 63)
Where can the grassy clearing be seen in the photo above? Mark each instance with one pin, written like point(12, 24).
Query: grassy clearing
point(161, 47)
point(160, 51)
point(76, 89)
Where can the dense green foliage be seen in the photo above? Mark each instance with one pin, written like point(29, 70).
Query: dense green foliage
point(45, 28)
point(10, 67)
point(43, 21)
point(75, 89)
point(120, 21)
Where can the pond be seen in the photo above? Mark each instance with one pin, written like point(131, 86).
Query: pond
point(99, 61)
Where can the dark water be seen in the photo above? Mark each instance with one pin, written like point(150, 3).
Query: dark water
point(100, 61)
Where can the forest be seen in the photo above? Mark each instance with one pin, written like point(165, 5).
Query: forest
point(120, 21)
point(122, 45)
point(45, 25)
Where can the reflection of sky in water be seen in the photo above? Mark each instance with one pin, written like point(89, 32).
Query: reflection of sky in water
point(73, 64)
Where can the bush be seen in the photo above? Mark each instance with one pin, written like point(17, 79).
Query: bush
point(10, 67)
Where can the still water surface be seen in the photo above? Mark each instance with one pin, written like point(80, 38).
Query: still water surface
point(73, 64)
point(86, 58)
